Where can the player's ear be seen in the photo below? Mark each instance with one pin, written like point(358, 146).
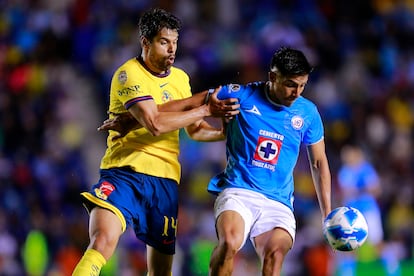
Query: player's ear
point(144, 41)
point(272, 76)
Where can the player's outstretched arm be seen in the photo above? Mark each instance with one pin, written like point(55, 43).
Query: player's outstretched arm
point(125, 122)
point(204, 132)
point(218, 108)
point(321, 175)
point(157, 122)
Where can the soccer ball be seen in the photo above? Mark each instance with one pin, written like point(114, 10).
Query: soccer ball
point(345, 228)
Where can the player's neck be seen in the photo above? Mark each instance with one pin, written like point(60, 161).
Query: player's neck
point(270, 96)
point(148, 66)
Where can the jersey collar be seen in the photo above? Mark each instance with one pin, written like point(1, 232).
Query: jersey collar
point(140, 60)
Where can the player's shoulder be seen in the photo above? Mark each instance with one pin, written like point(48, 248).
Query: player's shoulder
point(306, 102)
point(126, 72)
point(240, 91)
point(178, 71)
point(128, 67)
point(255, 85)
point(132, 62)
point(236, 87)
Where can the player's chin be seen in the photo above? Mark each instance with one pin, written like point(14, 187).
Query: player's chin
point(167, 66)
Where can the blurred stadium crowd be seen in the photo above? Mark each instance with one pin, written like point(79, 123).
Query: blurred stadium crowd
point(56, 61)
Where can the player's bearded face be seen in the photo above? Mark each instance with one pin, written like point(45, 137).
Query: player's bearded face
point(162, 50)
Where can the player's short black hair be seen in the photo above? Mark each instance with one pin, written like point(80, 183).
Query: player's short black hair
point(152, 21)
point(290, 62)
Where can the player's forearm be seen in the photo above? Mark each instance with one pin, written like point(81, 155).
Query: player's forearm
point(170, 121)
point(184, 104)
point(321, 176)
point(204, 132)
point(127, 121)
point(322, 179)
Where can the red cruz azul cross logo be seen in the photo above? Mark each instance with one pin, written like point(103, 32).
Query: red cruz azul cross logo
point(267, 150)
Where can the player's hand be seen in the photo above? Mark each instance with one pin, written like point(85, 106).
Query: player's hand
point(121, 123)
point(223, 108)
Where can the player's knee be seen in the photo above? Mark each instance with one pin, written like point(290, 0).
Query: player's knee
point(104, 243)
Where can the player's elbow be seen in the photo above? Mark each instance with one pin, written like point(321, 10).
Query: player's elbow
point(155, 129)
point(154, 125)
point(155, 133)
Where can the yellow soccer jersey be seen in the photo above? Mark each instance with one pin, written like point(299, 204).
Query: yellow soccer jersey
point(139, 150)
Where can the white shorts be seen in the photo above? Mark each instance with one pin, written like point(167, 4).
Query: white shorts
point(260, 214)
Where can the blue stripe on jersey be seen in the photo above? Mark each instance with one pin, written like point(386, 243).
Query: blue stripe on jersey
point(131, 102)
point(263, 142)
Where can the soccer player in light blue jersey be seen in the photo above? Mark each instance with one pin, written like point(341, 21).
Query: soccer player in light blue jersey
point(255, 191)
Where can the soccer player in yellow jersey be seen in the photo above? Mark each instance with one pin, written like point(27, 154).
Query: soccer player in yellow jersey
point(139, 172)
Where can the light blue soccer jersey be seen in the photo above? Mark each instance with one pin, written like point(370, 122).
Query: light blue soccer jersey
point(263, 142)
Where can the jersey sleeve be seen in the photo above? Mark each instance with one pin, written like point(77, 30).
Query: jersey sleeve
point(230, 91)
point(315, 132)
point(127, 87)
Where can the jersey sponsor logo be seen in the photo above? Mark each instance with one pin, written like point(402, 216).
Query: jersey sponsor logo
point(267, 150)
point(297, 122)
point(122, 77)
point(271, 134)
point(104, 190)
point(164, 84)
point(131, 90)
point(254, 110)
point(166, 96)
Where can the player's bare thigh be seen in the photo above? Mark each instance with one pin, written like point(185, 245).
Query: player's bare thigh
point(275, 239)
point(105, 228)
point(230, 228)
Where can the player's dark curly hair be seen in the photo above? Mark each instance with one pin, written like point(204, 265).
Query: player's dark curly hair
point(290, 62)
point(152, 21)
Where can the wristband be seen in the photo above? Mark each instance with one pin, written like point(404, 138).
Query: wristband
point(209, 92)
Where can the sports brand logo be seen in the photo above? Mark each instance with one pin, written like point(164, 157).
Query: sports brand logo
point(104, 190)
point(267, 150)
point(254, 110)
point(167, 242)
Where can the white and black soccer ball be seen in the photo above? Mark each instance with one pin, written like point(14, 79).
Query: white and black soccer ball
point(345, 228)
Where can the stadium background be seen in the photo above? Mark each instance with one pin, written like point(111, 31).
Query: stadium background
point(56, 61)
